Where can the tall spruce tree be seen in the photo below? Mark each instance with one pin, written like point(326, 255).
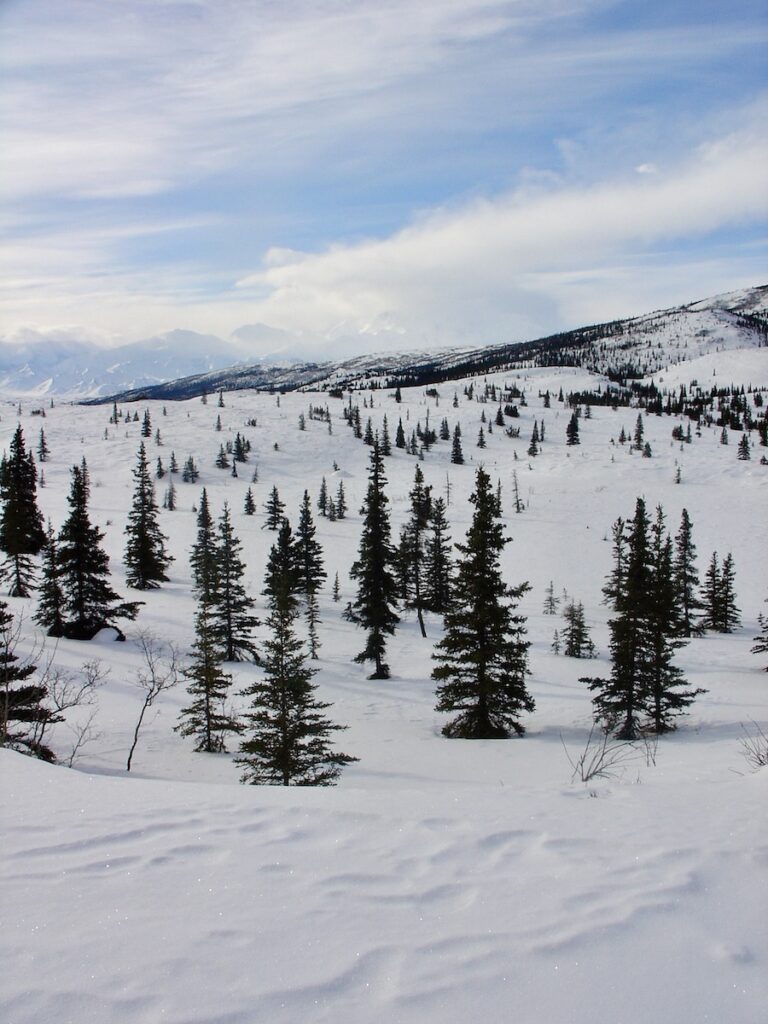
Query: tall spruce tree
point(50, 598)
point(761, 640)
point(311, 569)
point(373, 609)
point(457, 455)
point(232, 608)
point(275, 510)
point(90, 604)
point(146, 558)
point(667, 697)
point(483, 656)
point(438, 566)
point(22, 535)
point(686, 577)
point(620, 701)
point(413, 547)
point(575, 636)
point(288, 734)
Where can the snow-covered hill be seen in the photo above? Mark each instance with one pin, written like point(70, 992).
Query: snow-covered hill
point(622, 349)
point(442, 880)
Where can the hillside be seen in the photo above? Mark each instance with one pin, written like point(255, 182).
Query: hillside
point(441, 880)
point(620, 350)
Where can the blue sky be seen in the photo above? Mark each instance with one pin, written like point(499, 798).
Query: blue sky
point(370, 175)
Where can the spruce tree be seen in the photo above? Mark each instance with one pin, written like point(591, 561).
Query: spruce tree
point(309, 556)
point(550, 601)
point(50, 598)
point(575, 635)
point(666, 697)
point(438, 567)
point(22, 535)
point(146, 558)
point(274, 509)
point(614, 584)
point(249, 504)
point(686, 577)
point(289, 735)
point(23, 714)
point(341, 501)
point(572, 431)
point(42, 447)
point(413, 551)
point(761, 640)
point(373, 608)
point(457, 455)
point(729, 614)
point(90, 604)
point(231, 610)
point(322, 499)
point(711, 595)
point(206, 717)
point(483, 657)
point(620, 701)
point(399, 435)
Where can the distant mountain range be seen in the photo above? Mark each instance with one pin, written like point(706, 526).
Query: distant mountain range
point(635, 348)
point(182, 364)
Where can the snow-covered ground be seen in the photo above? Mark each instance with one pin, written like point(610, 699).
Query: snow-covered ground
point(441, 880)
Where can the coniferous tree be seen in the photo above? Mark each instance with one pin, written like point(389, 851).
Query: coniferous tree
point(438, 567)
point(711, 595)
point(173, 466)
point(666, 697)
point(481, 438)
point(413, 551)
point(145, 556)
point(23, 714)
point(729, 614)
point(322, 500)
point(340, 504)
point(90, 604)
point(761, 640)
point(22, 534)
point(42, 447)
point(190, 472)
point(146, 425)
point(614, 584)
point(311, 570)
point(572, 431)
point(232, 617)
point(374, 606)
point(621, 700)
point(289, 735)
point(743, 451)
point(249, 505)
point(50, 599)
point(575, 635)
point(686, 577)
point(159, 468)
point(400, 435)
point(274, 509)
point(169, 502)
point(386, 445)
point(550, 601)
point(483, 657)
point(222, 462)
point(336, 592)
point(637, 441)
point(533, 447)
point(457, 455)
point(207, 718)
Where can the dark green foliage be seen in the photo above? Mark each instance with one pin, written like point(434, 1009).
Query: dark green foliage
point(288, 742)
point(274, 509)
point(572, 431)
point(412, 556)
point(204, 557)
point(720, 612)
point(222, 462)
point(42, 447)
point(457, 455)
point(90, 604)
point(483, 657)
point(481, 438)
point(23, 714)
point(614, 584)
point(189, 473)
point(761, 640)
point(438, 566)
point(575, 634)
point(22, 535)
point(686, 577)
point(282, 578)
point(309, 554)
point(207, 718)
point(386, 446)
point(533, 447)
point(399, 435)
point(743, 451)
point(145, 556)
point(619, 701)
point(50, 599)
point(249, 504)
point(645, 689)
point(374, 606)
point(231, 611)
point(340, 504)
point(322, 500)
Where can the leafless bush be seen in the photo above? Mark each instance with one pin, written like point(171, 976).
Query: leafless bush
point(603, 757)
point(160, 672)
point(754, 747)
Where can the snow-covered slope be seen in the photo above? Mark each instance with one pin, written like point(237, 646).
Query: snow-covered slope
point(441, 881)
point(622, 349)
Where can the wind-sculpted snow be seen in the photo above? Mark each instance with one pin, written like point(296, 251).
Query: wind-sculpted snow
point(198, 903)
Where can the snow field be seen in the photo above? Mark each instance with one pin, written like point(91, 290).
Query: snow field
point(476, 882)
